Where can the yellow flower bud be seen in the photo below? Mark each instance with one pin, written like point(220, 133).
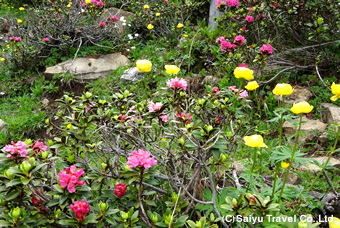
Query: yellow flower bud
point(302, 107)
point(254, 141)
point(252, 85)
point(243, 72)
point(158, 14)
point(336, 91)
point(144, 65)
point(283, 89)
point(150, 26)
point(171, 69)
point(19, 21)
point(180, 25)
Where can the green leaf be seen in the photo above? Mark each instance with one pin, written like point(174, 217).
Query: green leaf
point(12, 195)
point(53, 202)
point(150, 203)
point(90, 219)
point(5, 223)
point(68, 222)
point(63, 198)
point(39, 167)
point(13, 182)
point(181, 221)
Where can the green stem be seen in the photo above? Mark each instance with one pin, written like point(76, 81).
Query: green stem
point(258, 103)
point(292, 158)
point(145, 90)
point(238, 93)
point(323, 168)
point(252, 167)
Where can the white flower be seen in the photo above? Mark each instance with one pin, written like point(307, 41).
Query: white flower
point(122, 18)
point(127, 49)
point(124, 24)
point(136, 35)
point(133, 47)
point(129, 24)
point(130, 36)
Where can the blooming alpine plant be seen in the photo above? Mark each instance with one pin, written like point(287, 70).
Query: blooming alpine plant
point(120, 190)
point(141, 158)
point(176, 83)
point(16, 150)
point(39, 147)
point(185, 118)
point(266, 49)
point(243, 93)
point(70, 178)
point(80, 209)
point(239, 40)
point(154, 107)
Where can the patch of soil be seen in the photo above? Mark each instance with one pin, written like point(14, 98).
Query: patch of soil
point(195, 85)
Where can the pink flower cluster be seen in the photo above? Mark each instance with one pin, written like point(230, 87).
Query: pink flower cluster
point(16, 149)
point(226, 45)
point(185, 118)
point(102, 24)
point(99, 3)
point(141, 158)
point(39, 147)
point(266, 49)
point(239, 40)
point(243, 93)
point(80, 209)
point(164, 118)
point(249, 19)
point(243, 65)
point(232, 3)
point(154, 107)
point(46, 39)
point(114, 18)
point(36, 201)
point(120, 190)
point(219, 2)
point(177, 83)
point(18, 39)
point(215, 90)
point(70, 178)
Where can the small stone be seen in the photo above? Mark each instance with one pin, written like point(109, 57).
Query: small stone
point(132, 74)
point(45, 102)
point(237, 165)
point(314, 168)
point(211, 80)
point(292, 179)
point(2, 124)
point(315, 194)
point(331, 112)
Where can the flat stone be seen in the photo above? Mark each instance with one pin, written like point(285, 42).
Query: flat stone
point(292, 179)
point(310, 128)
point(331, 111)
point(132, 74)
point(2, 124)
point(211, 80)
point(45, 102)
point(90, 68)
point(314, 168)
point(299, 94)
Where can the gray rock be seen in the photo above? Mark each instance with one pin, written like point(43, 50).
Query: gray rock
point(2, 124)
point(315, 194)
point(45, 102)
point(331, 112)
point(292, 179)
point(90, 68)
point(314, 168)
point(237, 165)
point(299, 94)
point(211, 80)
point(213, 12)
point(132, 74)
point(309, 129)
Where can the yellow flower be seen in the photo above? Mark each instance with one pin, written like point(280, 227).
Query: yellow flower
point(185, 35)
point(163, 139)
point(180, 25)
point(158, 14)
point(2, 59)
point(87, 1)
point(146, 7)
point(19, 21)
point(254, 141)
point(21, 8)
point(252, 85)
point(336, 91)
point(69, 126)
point(69, 5)
point(335, 223)
point(171, 69)
point(243, 72)
point(284, 165)
point(144, 65)
point(302, 107)
point(150, 26)
point(283, 89)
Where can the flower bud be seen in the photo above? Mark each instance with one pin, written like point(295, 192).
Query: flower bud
point(223, 157)
point(44, 154)
point(28, 141)
point(15, 213)
point(174, 197)
point(154, 218)
point(182, 94)
point(88, 95)
point(226, 99)
point(32, 161)
point(25, 167)
point(216, 102)
point(209, 128)
point(234, 202)
point(126, 93)
point(47, 121)
point(103, 165)
point(103, 206)
point(120, 96)
point(200, 101)
point(8, 174)
point(58, 213)
point(124, 215)
point(181, 140)
point(302, 225)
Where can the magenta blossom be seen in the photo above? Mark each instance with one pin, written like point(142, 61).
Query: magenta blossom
point(232, 3)
point(80, 209)
point(249, 18)
point(154, 107)
point(239, 40)
point(70, 178)
point(120, 190)
point(115, 18)
point(16, 150)
point(141, 159)
point(186, 118)
point(46, 39)
point(39, 147)
point(243, 65)
point(226, 45)
point(215, 90)
point(266, 49)
point(177, 83)
point(122, 117)
point(100, 3)
point(102, 25)
point(251, 10)
point(86, 108)
point(220, 39)
point(18, 39)
point(219, 2)
point(11, 38)
point(243, 93)
point(164, 118)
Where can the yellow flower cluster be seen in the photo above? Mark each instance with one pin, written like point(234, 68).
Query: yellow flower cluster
point(150, 26)
point(252, 85)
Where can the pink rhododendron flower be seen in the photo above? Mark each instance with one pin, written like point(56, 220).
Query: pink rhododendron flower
point(233, 46)
point(232, 3)
point(39, 147)
point(249, 18)
point(36, 201)
point(141, 158)
point(186, 118)
point(18, 39)
point(266, 49)
point(177, 83)
point(164, 118)
point(226, 45)
point(46, 39)
point(86, 108)
point(120, 190)
point(102, 25)
point(275, 5)
point(244, 28)
point(11, 38)
point(251, 10)
point(16, 150)
point(215, 90)
point(70, 178)
point(115, 18)
point(58, 16)
point(239, 39)
point(218, 3)
point(100, 3)
point(122, 117)
point(243, 93)
point(260, 15)
point(243, 65)
point(154, 107)
point(80, 209)
point(219, 39)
